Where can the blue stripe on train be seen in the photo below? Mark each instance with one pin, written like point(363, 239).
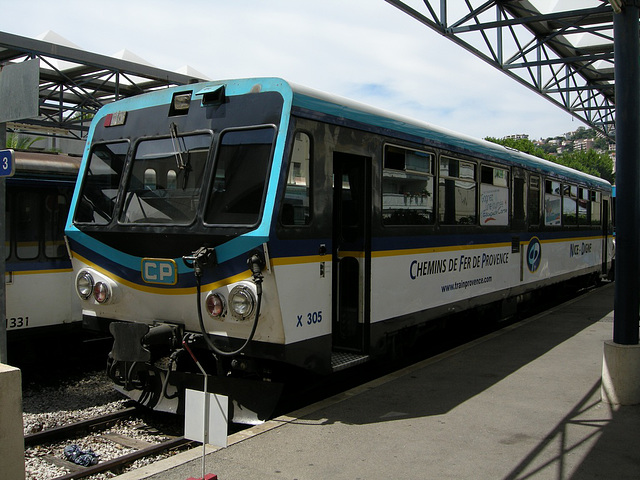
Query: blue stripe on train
point(132, 271)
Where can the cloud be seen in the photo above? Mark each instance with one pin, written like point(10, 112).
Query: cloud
point(366, 50)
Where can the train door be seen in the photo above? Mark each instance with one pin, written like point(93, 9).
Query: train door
point(351, 252)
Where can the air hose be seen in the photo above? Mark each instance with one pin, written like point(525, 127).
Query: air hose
point(201, 258)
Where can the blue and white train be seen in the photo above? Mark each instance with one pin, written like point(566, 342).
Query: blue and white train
point(40, 293)
point(270, 228)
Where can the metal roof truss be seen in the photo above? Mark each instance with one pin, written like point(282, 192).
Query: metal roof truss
point(74, 83)
point(565, 56)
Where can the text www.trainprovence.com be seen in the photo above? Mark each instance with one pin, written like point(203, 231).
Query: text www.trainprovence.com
point(465, 284)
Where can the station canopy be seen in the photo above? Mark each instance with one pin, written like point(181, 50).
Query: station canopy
point(560, 49)
point(74, 83)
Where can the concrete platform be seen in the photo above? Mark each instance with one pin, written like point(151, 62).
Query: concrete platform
point(521, 403)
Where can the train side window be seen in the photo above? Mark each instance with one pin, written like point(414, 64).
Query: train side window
point(407, 187)
point(552, 203)
point(296, 205)
point(533, 201)
point(519, 209)
point(55, 216)
point(584, 207)
point(150, 182)
point(457, 192)
point(569, 205)
point(494, 196)
point(27, 222)
point(100, 185)
point(596, 199)
point(172, 180)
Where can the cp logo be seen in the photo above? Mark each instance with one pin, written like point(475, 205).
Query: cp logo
point(534, 254)
point(159, 271)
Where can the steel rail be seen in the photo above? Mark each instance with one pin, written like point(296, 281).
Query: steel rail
point(52, 434)
point(125, 459)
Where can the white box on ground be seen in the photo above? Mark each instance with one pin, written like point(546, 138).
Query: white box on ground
point(206, 423)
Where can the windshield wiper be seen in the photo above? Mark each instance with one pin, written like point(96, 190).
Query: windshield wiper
point(173, 131)
point(182, 165)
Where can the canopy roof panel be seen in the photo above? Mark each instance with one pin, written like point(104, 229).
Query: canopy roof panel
point(74, 83)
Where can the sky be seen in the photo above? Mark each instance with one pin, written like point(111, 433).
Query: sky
point(365, 50)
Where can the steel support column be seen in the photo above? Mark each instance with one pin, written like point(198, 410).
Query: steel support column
point(3, 296)
point(627, 77)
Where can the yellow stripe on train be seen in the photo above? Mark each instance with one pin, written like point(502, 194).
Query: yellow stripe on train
point(164, 291)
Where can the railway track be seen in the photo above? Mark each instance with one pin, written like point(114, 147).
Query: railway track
point(126, 447)
point(98, 430)
point(69, 431)
point(145, 451)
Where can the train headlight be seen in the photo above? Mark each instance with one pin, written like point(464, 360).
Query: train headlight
point(84, 285)
point(215, 305)
point(101, 292)
point(241, 302)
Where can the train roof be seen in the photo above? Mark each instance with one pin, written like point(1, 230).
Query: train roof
point(367, 117)
point(29, 162)
point(342, 107)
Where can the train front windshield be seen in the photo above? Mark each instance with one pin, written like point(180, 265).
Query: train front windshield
point(101, 183)
point(167, 180)
point(241, 171)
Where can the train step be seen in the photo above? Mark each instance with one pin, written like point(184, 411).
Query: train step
point(342, 360)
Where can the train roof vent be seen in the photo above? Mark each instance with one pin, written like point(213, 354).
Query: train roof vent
point(212, 95)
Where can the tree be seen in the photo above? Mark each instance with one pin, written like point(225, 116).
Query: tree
point(521, 144)
point(549, 148)
point(582, 132)
point(20, 142)
point(601, 143)
point(591, 162)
